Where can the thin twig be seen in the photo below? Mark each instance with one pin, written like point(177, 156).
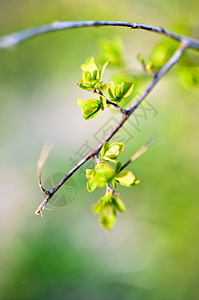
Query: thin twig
point(109, 189)
point(173, 60)
point(120, 109)
point(17, 37)
point(115, 105)
point(38, 211)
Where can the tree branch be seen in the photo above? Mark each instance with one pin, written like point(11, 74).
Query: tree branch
point(172, 61)
point(17, 37)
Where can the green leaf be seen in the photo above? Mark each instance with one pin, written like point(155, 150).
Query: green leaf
point(89, 172)
point(107, 206)
point(118, 167)
point(114, 183)
point(108, 217)
point(120, 91)
point(91, 184)
point(118, 204)
point(104, 173)
point(91, 111)
point(111, 90)
point(81, 102)
point(99, 176)
point(87, 103)
point(84, 86)
point(127, 88)
point(90, 107)
point(90, 65)
point(105, 147)
point(91, 75)
point(86, 76)
point(115, 149)
point(96, 75)
point(111, 151)
point(126, 178)
point(100, 205)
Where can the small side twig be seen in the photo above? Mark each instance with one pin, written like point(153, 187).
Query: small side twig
point(115, 105)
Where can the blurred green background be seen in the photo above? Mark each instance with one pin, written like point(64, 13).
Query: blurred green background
point(153, 250)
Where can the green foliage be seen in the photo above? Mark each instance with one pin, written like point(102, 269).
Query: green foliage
point(118, 167)
point(99, 176)
point(92, 81)
point(126, 178)
point(120, 91)
point(91, 107)
point(104, 175)
point(110, 152)
point(107, 206)
point(100, 205)
point(118, 204)
point(108, 217)
point(91, 75)
point(112, 50)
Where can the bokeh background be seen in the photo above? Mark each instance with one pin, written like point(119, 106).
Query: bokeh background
point(153, 250)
